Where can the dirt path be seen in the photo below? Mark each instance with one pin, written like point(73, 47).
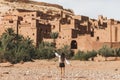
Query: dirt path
point(49, 70)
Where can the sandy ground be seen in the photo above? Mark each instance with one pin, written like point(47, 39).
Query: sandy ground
point(49, 70)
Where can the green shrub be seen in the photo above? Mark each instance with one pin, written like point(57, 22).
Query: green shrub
point(92, 54)
point(81, 55)
point(10, 56)
point(1, 57)
point(106, 51)
point(54, 36)
point(45, 51)
point(117, 52)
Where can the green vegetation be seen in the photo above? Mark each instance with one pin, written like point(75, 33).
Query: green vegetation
point(81, 55)
point(54, 36)
point(106, 51)
point(117, 52)
point(45, 51)
point(15, 48)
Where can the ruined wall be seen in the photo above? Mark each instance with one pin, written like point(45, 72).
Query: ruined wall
point(84, 43)
point(28, 23)
point(55, 25)
point(27, 31)
point(64, 38)
point(8, 21)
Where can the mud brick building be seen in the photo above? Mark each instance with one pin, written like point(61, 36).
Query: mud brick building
point(77, 31)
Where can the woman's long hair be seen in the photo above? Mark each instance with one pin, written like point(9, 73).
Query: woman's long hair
point(62, 57)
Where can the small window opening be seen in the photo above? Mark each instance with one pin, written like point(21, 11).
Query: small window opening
point(59, 36)
point(32, 14)
point(97, 39)
point(92, 34)
point(33, 34)
point(11, 21)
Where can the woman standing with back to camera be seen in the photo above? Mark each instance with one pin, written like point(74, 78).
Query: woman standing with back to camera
point(62, 60)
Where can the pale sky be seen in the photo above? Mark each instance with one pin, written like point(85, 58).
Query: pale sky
point(91, 8)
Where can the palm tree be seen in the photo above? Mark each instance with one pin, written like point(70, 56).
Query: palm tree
point(25, 50)
point(16, 48)
point(54, 36)
point(7, 45)
point(7, 38)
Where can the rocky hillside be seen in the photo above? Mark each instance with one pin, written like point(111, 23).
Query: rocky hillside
point(6, 7)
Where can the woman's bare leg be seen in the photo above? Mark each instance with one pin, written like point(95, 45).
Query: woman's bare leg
point(63, 71)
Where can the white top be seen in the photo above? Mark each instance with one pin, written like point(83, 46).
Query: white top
point(57, 55)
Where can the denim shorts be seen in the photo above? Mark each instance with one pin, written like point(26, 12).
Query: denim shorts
point(62, 65)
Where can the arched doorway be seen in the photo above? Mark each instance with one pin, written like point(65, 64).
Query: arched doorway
point(73, 44)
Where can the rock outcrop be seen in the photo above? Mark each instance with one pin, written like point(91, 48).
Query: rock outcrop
point(6, 7)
